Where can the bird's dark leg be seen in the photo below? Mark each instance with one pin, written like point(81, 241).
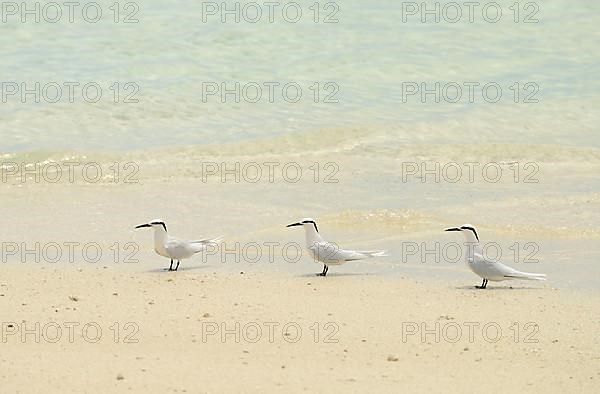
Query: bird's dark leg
point(485, 284)
point(482, 285)
point(171, 266)
point(177, 265)
point(325, 269)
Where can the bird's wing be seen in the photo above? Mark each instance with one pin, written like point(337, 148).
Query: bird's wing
point(373, 253)
point(207, 241)
point(200, 245)
point(494, 269)
point(327, 251)
point(176, 247)
point(509, 272)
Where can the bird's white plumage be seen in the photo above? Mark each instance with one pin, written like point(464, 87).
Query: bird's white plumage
point(485, 268)
point(173, 248)
point(496, 271)
point(330, 253)
point(178, 250)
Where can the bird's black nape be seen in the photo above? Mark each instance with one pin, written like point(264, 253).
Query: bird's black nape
point(304, 222)
point(471, 229)
point(161, 223)
point(313, 223)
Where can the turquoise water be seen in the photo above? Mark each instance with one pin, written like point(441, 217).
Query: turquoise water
point(366, 57)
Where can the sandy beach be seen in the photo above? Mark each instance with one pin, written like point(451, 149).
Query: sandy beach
point(204, 330)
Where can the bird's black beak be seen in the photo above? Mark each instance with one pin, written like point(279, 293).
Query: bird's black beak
point(143, 225)
point(294, 224)
point(453, 229)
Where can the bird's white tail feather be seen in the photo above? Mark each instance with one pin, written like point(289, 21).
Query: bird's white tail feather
point(527, 276)
point(374, 253)
point(216, 240)
point(201, 244)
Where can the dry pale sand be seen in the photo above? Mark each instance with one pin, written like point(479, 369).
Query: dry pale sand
point(362, 324)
